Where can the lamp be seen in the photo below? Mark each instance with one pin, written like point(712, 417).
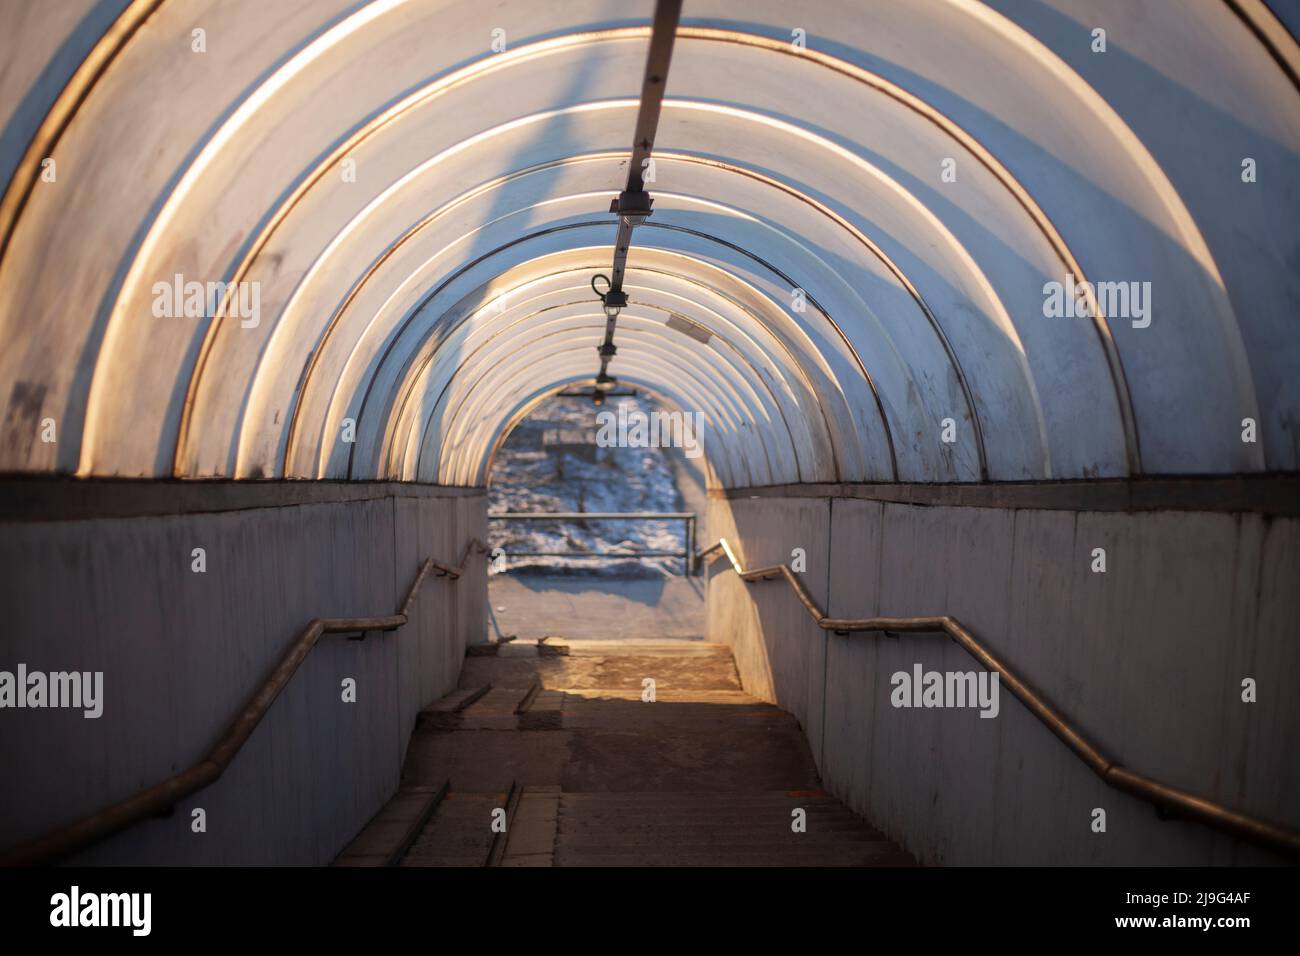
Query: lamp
point(613, 302)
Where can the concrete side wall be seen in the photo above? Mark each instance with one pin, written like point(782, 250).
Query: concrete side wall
point(181, 651)
point(1147, 659)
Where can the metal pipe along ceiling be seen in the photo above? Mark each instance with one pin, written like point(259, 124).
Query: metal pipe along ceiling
point(859, 208)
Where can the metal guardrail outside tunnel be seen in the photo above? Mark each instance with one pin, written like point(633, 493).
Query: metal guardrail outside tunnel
point(162, 797)
point(688, 519)
point(1167, 800)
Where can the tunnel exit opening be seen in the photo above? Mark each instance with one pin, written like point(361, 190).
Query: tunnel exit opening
point(596, 506)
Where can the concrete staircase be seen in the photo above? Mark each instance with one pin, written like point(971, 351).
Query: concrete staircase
point(550, 755)
point(715, 829)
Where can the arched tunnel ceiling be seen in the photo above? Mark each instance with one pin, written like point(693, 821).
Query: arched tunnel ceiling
point(420, 217)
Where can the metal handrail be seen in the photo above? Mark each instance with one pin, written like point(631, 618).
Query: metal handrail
point(1167, 799)
point(161, 798)
point(589, 515)
point(687, 554)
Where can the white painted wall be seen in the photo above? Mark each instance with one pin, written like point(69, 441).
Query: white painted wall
point(181, 651)
point(1147, 659)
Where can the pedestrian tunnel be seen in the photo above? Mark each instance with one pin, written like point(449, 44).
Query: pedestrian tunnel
point(985, 309)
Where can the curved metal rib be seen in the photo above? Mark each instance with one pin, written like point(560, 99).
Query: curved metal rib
point(162, 797)
point(1165, 798)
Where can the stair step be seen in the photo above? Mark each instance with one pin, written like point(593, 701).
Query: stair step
point(650, 648)
point(531, 837)
point(756, 813)
point(739, 837)
point(384, 840)
point(544, 712)
point(445, 714)
point(458, 699)
point(664, 825)
point(498, 709)
point(714, 828)
point(703, 798)
point(866, 854)
point(664, 694)
point(459, 833)
point(544, 647)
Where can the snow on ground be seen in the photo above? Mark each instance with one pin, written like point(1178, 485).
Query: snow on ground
point(551, 462)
